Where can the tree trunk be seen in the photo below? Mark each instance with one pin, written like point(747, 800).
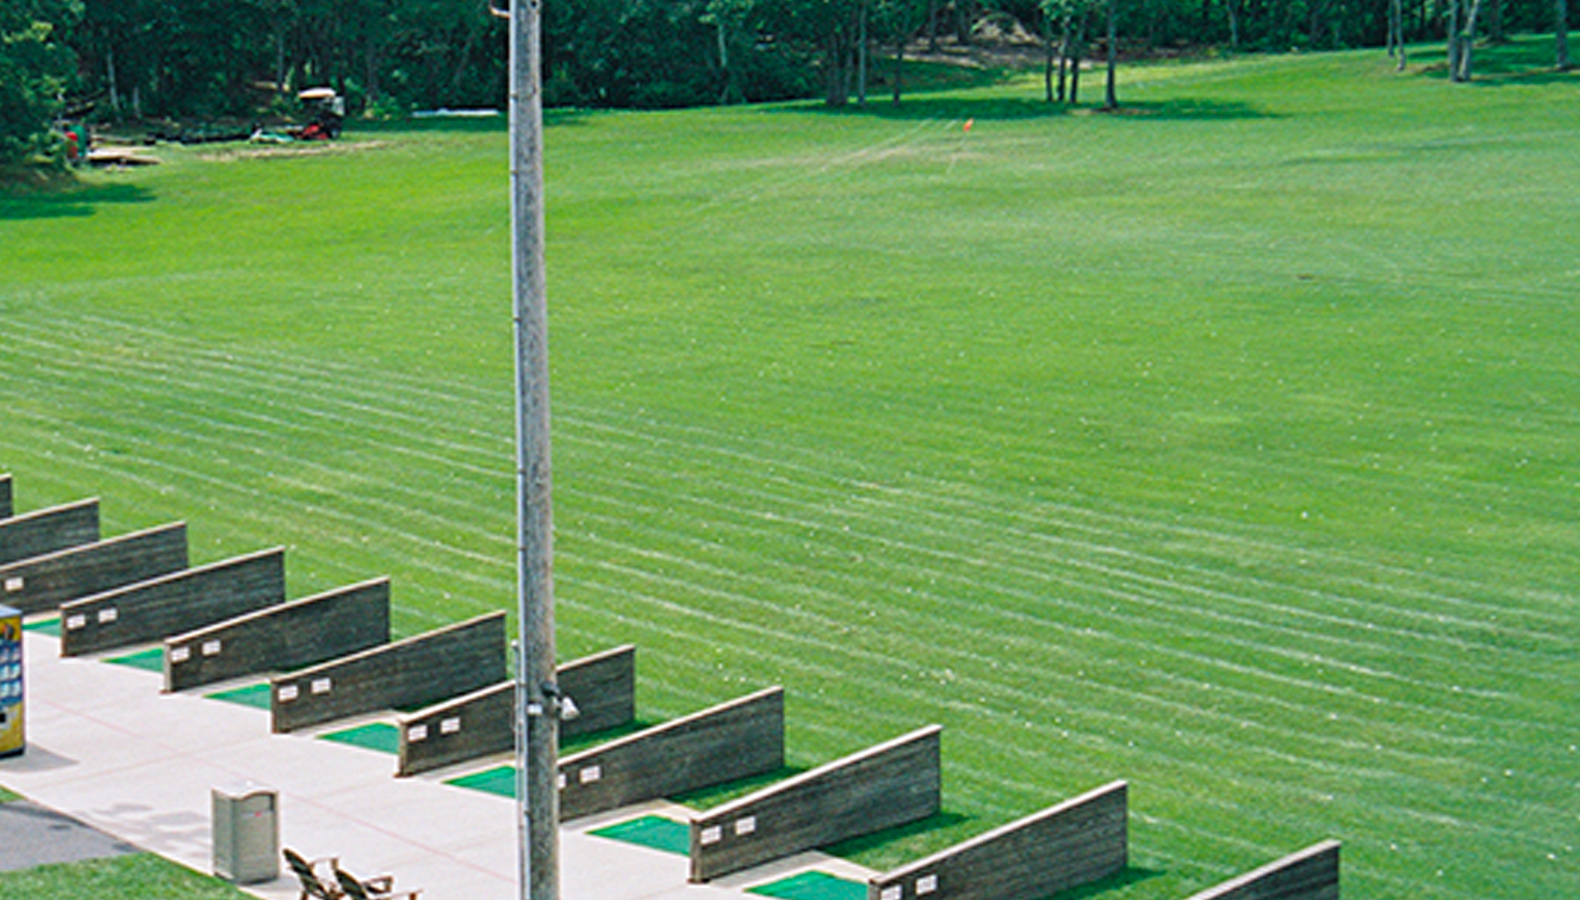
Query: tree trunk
point(1111, 96)
point(1047, 68)
point(371, 70)
point(899, 64)
point(861, 56)
point(1075, 60)
point(1561, 34)
point(1064, 54)
point(932, 26)
point(1453, 40)
point(281, 85)
point(1397, 7)
point(1468, 41)
point(1233, 8)
point(109, 71)
point(838, 83)
point(464, 60)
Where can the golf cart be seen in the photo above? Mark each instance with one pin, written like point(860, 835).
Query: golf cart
point(328, 110)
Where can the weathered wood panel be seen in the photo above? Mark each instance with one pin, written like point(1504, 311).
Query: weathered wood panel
point(604, 688)
point(48, 530)
point(1061, 847)
point(468, 727)
point(40, 583)
point(170, 604)
point(733, 740)
point(5, 497)
point(483, 723)
point(420, 670)
point(890, 784)
point(288, 636)
point(1311, 874)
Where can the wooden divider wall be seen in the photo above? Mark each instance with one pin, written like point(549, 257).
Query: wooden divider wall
point(288, 636)
point(890, 784)
point(1061, 847)
point(48, 530)
point(603, 686)
point(1310, 874)
point(41, 583)
point(482, 723)
point(733, 740)
point(419, 670)
point(154, 609)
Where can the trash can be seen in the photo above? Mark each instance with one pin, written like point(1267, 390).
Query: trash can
point(246, 833)
point(12, 737)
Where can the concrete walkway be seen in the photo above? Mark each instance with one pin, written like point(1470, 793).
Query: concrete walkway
point(107, 747)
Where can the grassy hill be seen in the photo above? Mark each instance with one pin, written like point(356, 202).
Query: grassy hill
point(1227, 445)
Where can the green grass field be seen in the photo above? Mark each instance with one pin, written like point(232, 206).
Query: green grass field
point(1227, 446)
point(139, 876)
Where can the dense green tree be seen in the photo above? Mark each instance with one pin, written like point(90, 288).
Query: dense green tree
point(208, 58)
point(35, 68)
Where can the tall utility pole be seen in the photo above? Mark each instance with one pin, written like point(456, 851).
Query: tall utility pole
point(537, 700)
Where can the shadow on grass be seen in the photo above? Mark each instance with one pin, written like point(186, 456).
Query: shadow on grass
point(1005, 109)
point(934, 822)
point(1525, 61)
point(1122, 879)
point(569, 745)
point(552, 118)
point(707, 797)
point(74, 201)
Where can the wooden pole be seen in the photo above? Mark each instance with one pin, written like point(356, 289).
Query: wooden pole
point(537, 706)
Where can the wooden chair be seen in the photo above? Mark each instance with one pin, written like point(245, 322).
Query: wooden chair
point(380, 888)
point(316, 885)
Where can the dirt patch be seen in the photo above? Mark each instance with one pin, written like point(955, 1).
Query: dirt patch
point(287, 151)
point(995, 51)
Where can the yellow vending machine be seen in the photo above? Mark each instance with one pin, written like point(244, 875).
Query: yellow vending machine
point(12, 741)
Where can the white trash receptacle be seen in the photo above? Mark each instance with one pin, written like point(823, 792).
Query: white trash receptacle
point(246, 833)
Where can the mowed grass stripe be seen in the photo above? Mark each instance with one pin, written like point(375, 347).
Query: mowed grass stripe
point(1118, 527)
point(1193, 691)
point(984, 537)
point(417, 437)
point(877, 582)
point(1151, 599)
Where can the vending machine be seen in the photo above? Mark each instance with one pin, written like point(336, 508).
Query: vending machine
point(12, 740)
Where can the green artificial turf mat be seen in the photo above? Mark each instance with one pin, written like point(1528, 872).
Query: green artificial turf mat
point(252, 695)
point(46, 626)
point(656, 832)
point(499, 780)
point(152, 659)
point(380, 736)
point(813, 886)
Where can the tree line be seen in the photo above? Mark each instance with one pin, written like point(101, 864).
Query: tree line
point(205, 59)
